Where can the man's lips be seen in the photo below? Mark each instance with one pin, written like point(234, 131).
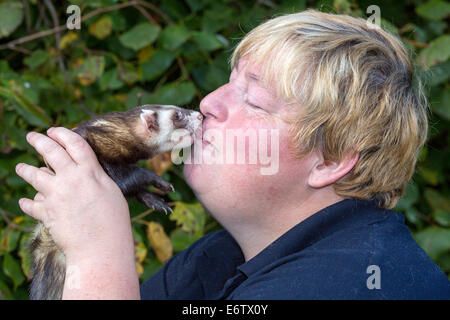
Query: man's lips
point(204, 129)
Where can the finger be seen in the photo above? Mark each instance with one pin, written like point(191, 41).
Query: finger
point(54, 154)
point(34, 176)
point(38, 197)
point(32, 208)
point(47, 170)
point(78, 148)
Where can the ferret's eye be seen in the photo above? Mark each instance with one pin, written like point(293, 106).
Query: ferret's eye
point(178, 116)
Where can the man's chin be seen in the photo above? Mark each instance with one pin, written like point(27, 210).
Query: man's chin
point(198, 176)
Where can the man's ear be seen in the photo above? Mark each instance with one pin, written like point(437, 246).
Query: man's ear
point(325, 172)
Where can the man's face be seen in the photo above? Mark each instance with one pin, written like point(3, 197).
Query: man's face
point(235, 190)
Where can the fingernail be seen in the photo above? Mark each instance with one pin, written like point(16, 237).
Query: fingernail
point(23, 204)
point(18, 166)
point(30, 134)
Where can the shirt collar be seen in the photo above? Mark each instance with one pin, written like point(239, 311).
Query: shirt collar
point(341, 215)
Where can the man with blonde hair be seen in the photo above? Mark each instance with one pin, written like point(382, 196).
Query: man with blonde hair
point(338, 95)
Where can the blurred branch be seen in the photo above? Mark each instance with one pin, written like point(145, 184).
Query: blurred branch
point(42, 15)
point(41, 34)
point(142, 215)
point(22, 50)
point(54, 15)
point(56, 30)
point(156, 10)
point(27, 14)
point(11, 224)
point(416, 43)
point(146, 14)
point(406, 28)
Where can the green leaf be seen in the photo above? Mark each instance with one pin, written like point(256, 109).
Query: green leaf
point(150, 267)
point(442, 217)
point(439, 73)
point(128, 73)
point(174, 93)
point(217, 18)
point(430, 175)
point(175, 196)
point(292, 6)
point(412, 215)
point(436, 200)
point(157, 64)
point(410, 197)
point(444, 262)
point(434, 240)
point(119, 21)
point(441, 104)
point(140, 36)
point(31, 113)
point(137, 97)
point(91, 70)
point(12, 269)
point(438, 51)
point(4, 67)
point(5, 292)
point(182, 239)
point(386, 25)
point(101, 28)
point(25, 255)
point(110, 80)
point(173, 36)
point(191, 217)
point(210, 77)
point(36, 59)
point(196, 5)
point(342, 6)
point(434, 10)
point(206, 41)
point(11, 16)
point(8, 240)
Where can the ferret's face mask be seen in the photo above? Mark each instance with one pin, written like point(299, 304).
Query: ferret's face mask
point(170, 127)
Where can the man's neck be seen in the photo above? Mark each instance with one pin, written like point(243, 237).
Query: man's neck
point(270, 225)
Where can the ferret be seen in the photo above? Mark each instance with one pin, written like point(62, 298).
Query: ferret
point(119, 140)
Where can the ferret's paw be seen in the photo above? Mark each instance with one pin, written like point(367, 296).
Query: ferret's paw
point(162, 206)
point(163, 185)
point(154, 202)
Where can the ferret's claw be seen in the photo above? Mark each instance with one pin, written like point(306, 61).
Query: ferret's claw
point(153, 201)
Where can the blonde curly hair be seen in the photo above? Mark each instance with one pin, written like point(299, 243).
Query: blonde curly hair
point(353, 85)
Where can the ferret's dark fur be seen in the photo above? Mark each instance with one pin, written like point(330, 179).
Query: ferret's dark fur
point(119, 139)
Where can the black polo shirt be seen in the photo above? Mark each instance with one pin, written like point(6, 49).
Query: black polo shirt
point(349, 250)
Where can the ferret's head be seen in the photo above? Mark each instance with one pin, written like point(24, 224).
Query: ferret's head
point(165, 127)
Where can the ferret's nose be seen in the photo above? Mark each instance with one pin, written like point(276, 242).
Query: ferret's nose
point(200, 117)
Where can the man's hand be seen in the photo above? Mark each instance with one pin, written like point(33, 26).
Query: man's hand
point(84, 210)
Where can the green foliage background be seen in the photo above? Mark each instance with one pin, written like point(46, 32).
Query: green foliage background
point(175, 52)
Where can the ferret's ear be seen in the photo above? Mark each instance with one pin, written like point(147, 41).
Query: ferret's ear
point(150, 119)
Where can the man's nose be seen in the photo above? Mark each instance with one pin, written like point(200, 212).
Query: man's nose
point(214, 104)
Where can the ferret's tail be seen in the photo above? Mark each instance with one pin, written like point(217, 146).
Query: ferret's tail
point(49, 266)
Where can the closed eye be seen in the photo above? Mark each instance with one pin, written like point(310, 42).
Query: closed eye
point(252, 105)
